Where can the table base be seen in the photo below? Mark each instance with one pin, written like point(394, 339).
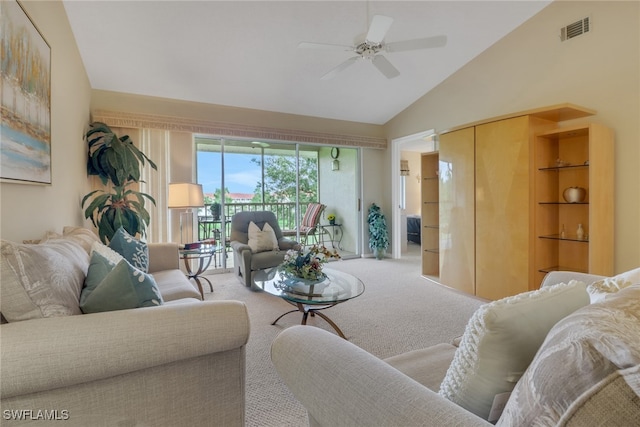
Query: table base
point(312, 310)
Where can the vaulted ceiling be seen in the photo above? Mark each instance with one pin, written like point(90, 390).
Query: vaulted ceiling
point(245, 53)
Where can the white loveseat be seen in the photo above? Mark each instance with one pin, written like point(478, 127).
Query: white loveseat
point(181, 363)
point(585, 371)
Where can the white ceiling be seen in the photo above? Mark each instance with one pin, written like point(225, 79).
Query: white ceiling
point(245, 54)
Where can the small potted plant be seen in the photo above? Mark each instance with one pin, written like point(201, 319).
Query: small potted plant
point(332, 219)
point(378, 237)
point(307, 265)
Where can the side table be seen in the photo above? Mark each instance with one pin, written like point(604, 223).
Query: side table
point(203, 256)
point(334, 232)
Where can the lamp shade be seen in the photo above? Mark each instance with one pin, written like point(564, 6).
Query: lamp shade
point(185, 195)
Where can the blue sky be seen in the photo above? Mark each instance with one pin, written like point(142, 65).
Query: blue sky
point(242, 175)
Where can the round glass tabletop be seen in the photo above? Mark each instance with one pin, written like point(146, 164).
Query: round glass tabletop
point(334, 288)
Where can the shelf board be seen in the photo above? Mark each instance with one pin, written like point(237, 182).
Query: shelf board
point(433, 251)
point(569, 238)
point(563, 203)
point(560, 268)
point(432, 226)
point(559, 168)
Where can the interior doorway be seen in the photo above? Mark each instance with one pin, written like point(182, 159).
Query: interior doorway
point(406, 198)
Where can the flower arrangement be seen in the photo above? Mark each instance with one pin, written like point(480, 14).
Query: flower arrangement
point(332, 218)
point(307, 265)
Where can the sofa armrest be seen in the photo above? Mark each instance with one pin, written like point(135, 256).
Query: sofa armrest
point(43, 354)
point(342, 385)
point(555, 277)
point(163, 256)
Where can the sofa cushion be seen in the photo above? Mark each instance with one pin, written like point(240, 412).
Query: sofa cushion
point(122, 287)
point(133, 250)
point(428, 366)
point(600, 289)
point(500, 341)
point(581, 355)
point(42, 280)
point(174, 285)
point(262, 240)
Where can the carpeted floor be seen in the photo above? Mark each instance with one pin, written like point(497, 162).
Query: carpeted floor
point(399, 311)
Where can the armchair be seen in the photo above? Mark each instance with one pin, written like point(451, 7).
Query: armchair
point(245, 261)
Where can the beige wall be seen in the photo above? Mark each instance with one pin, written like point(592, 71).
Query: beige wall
point(27, 211)
point(531, 68)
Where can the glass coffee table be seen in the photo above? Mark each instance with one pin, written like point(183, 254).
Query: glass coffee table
point(310, 297)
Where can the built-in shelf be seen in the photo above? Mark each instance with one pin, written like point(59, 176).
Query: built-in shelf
point(432, 226)
point(433, 251)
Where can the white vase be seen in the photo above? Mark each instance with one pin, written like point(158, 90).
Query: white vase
point(580, 232)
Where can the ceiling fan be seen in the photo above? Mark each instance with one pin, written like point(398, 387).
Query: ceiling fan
point(374, 45)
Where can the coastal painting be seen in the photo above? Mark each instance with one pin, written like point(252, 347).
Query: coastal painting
point(25, 92)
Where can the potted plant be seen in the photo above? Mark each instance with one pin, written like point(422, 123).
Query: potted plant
point(378, 237)
point(332, 218)
point(117, 162)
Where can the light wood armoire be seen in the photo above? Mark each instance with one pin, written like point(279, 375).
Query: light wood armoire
point(501, 203)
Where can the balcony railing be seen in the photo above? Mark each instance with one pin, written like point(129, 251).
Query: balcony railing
point(209, 225)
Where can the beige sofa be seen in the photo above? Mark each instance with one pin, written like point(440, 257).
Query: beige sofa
point(181, 363)
point(585, 371)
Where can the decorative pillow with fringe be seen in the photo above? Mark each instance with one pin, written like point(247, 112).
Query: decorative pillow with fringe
point(500, 341)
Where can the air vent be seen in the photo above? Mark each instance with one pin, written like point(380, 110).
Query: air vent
point(576, 29)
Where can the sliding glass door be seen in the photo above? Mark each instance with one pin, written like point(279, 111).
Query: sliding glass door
point(242, 175)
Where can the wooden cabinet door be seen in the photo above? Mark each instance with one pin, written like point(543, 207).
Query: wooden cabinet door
point(457, 210)
point(502, 208)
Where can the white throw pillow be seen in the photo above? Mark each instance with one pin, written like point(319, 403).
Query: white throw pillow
point(262, 240)
point(500, 341)
point(602, 289)
point(580, 355)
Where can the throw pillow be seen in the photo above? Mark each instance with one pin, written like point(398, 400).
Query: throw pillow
point(132, 249)
point(262, 240)
point(580, 351)
point(82, 236)
point(122, 288)
point(500, 341)
point(99, 267)
point(601, 289)
point(42, 280)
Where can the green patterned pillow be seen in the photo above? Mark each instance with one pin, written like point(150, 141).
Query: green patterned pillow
point(132, 249)
point(121, 286)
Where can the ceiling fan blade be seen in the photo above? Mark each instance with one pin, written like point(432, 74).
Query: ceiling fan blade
point(415, 44)
point(385, 67)
point(341, 67)
point(380, 24)
point(310, 45)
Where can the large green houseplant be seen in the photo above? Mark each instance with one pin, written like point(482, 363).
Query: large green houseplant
point(117, 162)
point(378, 236)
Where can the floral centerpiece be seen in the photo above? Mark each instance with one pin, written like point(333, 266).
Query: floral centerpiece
point(307, 265)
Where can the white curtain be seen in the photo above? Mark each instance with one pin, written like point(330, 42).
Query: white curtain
point(155, 144)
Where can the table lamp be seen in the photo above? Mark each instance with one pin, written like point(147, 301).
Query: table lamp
point(185, 195)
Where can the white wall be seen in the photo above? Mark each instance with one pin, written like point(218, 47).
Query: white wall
point(531, 68)
point(28, 211)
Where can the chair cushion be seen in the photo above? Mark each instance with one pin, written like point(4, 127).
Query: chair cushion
point(262, 240)
point(500, 341)
point(581, 355)
point(312, 215)
point(42, 280)
point(133, 250)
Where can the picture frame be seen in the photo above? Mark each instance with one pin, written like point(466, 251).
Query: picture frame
point(25, 102)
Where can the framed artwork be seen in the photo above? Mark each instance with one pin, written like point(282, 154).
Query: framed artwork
point(25, 92)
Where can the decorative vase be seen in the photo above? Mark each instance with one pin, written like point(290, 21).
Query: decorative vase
point(574, 194)
point(379, 253)
point(580, 232)
point(332, 222)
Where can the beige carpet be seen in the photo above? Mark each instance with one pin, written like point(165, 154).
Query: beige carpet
point(399, 311)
